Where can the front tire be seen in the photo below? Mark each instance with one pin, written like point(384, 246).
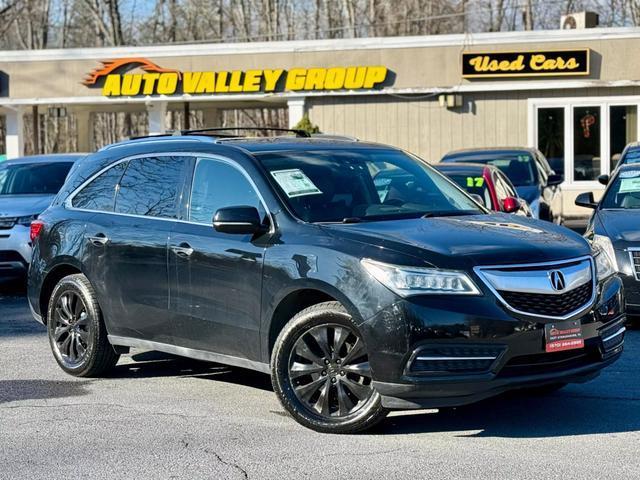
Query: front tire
point(321, 374)
point(76, 331)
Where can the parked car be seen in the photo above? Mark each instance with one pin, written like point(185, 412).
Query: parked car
point(281, 255)
point(488, 184)
point(527, 169)
point(27, 186)
point(615, 228)
point(630, 155)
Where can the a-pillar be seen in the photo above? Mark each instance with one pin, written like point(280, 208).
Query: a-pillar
point(157, 113)
point(14, 140)
point(296, 107)
point(84, 130)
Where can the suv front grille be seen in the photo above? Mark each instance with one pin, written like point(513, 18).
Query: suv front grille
point(635, 260)
point(549, 305)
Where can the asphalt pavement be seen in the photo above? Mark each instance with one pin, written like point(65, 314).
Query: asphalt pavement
point(163, 417)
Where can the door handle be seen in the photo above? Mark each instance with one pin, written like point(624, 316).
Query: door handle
point(99, 240)
point(183, 250)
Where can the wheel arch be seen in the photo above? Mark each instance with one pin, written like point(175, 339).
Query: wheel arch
point(51, 279)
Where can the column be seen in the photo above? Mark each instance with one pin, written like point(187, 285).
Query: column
point(157, 112)
point(212, 117)
point(14, 140)
point(84, 131)
point(296, 110)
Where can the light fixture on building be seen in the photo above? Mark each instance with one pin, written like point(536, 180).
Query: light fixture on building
point(57, 112)
point(450, 100)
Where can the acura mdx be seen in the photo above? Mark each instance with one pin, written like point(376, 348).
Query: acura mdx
point(357, 276)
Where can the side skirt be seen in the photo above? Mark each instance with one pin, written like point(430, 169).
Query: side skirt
point(190, 353)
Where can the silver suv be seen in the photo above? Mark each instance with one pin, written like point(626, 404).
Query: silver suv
point(27, 186)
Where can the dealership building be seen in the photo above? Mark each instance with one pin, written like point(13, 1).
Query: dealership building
point(574, 94)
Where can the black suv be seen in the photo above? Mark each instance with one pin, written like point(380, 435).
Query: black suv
point(356, 275)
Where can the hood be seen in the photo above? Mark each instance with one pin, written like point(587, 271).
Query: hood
point(23, 205)
point(467, 241)
point(529, 193)
point(620, 225)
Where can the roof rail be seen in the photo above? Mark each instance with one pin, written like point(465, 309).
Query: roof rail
point(299, 133)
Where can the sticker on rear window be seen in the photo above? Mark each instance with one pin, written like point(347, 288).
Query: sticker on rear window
point(295, 183)
point(475, 181)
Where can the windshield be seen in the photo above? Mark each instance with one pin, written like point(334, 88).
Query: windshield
point(519, 167)
point(33, 178)
point(624, 192)
point(474, 185)
point(360, 185)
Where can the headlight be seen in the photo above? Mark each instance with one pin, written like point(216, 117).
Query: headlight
point(26, 221)
point(604, 256)
point(406, 281)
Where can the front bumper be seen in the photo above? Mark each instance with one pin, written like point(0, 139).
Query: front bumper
point(479, 328)
point(15, 251)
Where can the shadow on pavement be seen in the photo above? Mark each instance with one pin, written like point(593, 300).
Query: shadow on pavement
point(17, 390)
point(158, 364)
point(519, 416)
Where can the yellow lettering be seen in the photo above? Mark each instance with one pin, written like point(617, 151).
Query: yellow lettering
point(334, 79)
point(149, 80)
point(221, 83)
point(295, 79)
point(111, 87)
point(252, 80)
point(167, 83)
point(131, 84)
point(190, 81)
point(207, 83)
point(374, 76)
point(354, 77)
point(235, 84)
point(271, 78)
point(477, 63)
point(572, 64)
point(315, 79)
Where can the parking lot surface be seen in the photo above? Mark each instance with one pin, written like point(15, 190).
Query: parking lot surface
point(160, 417)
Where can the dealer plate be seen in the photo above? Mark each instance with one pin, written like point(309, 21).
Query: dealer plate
point(560, 336)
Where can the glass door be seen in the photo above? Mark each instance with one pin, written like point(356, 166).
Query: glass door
point(587, 145)
point(623, 129)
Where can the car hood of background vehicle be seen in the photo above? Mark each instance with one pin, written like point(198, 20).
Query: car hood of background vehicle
point(529, 193)
point(466, 241)
point(23, 205)
point(621, 225)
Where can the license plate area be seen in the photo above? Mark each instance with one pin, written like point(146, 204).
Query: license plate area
point(561, 336)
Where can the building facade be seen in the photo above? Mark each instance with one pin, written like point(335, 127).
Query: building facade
point(574, 94)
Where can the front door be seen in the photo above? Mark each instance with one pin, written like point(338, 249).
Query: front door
point(216, 278)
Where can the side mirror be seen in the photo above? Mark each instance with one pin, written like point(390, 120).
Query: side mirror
point(604, 179)
point(239, 220)
point(510, 205)
point(586, 200)
point(554, 180)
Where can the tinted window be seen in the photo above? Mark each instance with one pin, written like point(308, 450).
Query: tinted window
point(216, 185)
point(624, 191)
point(151, 186)
point(520, 167)
point(33, 178)
point(506, 185)
point(362, 184)
point(100, 193)
point(474, 184)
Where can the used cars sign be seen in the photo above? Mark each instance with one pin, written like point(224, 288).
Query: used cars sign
point(525, 64)
point(116, 79)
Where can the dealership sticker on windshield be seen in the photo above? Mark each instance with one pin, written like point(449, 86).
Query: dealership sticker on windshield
point(629, 185)
point(295, 183)
point(562, 336)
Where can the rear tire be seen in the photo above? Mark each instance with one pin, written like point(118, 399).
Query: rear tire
point(77, 334)
point(321, 374)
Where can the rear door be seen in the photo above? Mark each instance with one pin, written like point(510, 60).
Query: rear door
point(127, 248)
point(216, 278)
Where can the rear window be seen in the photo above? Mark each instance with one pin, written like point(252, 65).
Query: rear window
point(474, 184)
point(519, 167)
point(33, 178)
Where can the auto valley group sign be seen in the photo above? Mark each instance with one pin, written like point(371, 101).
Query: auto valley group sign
point(139, 76)
point(525, 64)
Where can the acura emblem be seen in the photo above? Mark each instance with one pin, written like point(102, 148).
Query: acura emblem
point(557, 280)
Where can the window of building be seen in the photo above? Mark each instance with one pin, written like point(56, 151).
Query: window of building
point(551, 136)
point(623, 129)
point(151, 187)
point(586, 143)
point(216, 185)
point(100, 193)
